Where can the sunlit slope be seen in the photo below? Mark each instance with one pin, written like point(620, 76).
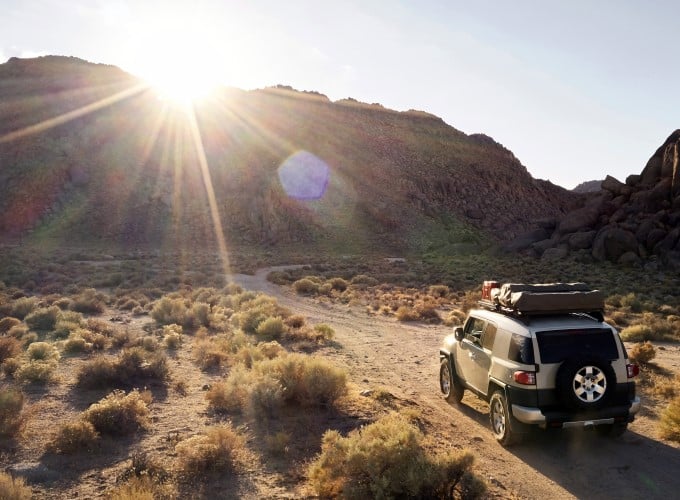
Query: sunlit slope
point(89, 153)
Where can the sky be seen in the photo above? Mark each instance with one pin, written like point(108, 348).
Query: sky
point(576, 90)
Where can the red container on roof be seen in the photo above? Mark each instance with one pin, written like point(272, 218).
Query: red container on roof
point(486, 289)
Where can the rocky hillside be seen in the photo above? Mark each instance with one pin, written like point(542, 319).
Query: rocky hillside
point(87, 153)
point(588, 187)
point(636, 222)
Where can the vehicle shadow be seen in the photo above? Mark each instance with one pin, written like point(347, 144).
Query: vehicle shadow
point(597, 467)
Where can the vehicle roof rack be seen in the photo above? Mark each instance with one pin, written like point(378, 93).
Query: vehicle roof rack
point(524, 300)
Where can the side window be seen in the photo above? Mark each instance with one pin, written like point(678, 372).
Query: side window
point(474, 329)
point(489, 336)
point(521, 349)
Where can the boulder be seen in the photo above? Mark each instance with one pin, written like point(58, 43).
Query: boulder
point(526, 240)
point(633, 180)
point(654, 237)
point(543, 245)
point(612, 242)
point(581, 240)
point(669, 241)
point(644, 229)
point(629, 259)
point(616, 187)
point(555, 254)
point(580, 219)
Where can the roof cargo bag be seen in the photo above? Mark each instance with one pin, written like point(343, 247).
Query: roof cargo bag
point(548, 298)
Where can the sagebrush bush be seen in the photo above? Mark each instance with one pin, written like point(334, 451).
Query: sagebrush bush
point(669, 424)
point(120, 414)
point(277, 444)
point(295, 321)
point(168, 311)
point(43, 319)
point(89, 301)
point(9, 348)
point(231, 394)
point(73, 437)
point(306, 380)
point(338, 284)
point(306, 286)
point(97, 373)
point(216, 451)
point(266, 396)
point(23, 306)
point(14, 488)
point(42, 351)
point(172, 336)
point(271, 328)
point(36, 371)
point(12, 418)
point(637, 333)
point(141, 487)
point(7, 323)
point(132, 365)
point(387, 459)
point(642, 352)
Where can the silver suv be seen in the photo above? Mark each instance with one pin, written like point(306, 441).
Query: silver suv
point(548, 363)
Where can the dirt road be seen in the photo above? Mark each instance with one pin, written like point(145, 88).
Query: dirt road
point(380, 352)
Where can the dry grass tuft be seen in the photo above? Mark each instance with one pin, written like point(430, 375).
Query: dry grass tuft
point(12, 416)
point(73, 437)
point(13, 488)
point(669, 425)
point(120, 414)
point(643, 352)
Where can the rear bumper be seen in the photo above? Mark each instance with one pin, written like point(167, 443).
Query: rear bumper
point(557, 418)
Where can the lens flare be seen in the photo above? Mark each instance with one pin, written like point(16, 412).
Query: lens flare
point(304, 176)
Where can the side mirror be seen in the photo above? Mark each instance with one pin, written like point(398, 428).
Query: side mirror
point(458, 333)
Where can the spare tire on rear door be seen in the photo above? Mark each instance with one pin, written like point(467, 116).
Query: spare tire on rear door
point(585, 382)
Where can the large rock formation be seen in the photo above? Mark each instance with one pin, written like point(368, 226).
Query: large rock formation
point(636, 222)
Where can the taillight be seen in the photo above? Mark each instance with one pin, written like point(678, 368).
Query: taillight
point(632, 370)
point(525, 378)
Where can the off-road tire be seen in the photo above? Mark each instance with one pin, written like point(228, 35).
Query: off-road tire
point(612, 430)
point(585, 383)
point(502, 421)
point(449, 384)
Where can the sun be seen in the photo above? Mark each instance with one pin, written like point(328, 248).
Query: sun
point(180, 56)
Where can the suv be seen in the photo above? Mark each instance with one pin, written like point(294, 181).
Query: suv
point(541, 355)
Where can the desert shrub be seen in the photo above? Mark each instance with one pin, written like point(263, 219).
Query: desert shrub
point(387, 459)
point(338, 284)
point(43, 319)
point(216, 451)
point(136, 363)
point(295, 321)
point(270, 350)
point(73, 437)
point(325, 331)
point(231, 394)
point(406, 313)
point(198, 315)
point(7, 323)
point(141, 487)
point(441, 291)
point(119, 414)
point(76, 344)
point(309, 381)
point(36, 371)
point(13, 488)
point(97, 373)
point(10, 366)
point(42, 351)
point(277, 444)
point(12, 418)
point(363, 280)
point(89, 301)
point(9, 348)
point(19, 332)
point(642, 352)
point(632, 302)
point(306, 286)
point(148, 343)
point(266, 395)
point(23, 306)
point(271, 328)
point(669, 424)
point(168, 311)
point(172, 336)
point(638, 333)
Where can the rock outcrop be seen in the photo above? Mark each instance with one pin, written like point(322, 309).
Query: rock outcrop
point(632, 223)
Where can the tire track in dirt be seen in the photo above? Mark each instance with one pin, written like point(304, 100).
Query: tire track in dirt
point(380, 352)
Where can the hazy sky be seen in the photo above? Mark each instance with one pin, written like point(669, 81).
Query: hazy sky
point(577, 90)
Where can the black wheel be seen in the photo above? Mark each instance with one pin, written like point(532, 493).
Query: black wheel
point(449, 384)
point(501, 420)
point(585, 383)
point(612, 430)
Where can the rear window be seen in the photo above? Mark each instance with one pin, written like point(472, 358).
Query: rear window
point(557, 345)
point(521, 350)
